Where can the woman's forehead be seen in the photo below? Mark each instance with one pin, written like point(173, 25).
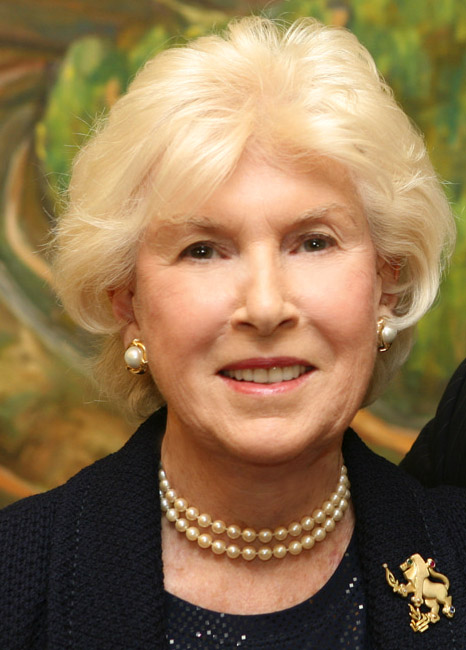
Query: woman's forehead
point(254, 178)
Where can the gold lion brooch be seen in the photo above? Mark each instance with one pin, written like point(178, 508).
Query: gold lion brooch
point(429, 589)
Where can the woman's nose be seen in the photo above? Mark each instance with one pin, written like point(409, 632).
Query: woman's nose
point(264, 302)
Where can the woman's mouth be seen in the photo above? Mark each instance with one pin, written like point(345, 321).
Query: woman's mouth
point(269, 374)
point(272, 375)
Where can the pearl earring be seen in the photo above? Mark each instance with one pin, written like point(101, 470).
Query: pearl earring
point(386, 334)
point(135, 358)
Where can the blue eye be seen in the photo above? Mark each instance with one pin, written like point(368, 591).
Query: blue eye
point(199, 251)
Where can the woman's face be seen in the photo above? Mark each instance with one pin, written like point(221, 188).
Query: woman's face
point(259, 313)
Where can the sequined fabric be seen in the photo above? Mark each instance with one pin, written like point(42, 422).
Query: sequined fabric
point(332, 619)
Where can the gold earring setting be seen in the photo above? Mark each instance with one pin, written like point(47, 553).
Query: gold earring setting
point(386, 334)
point(136, 358)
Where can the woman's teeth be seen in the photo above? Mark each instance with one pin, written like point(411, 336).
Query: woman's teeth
point(267, 375)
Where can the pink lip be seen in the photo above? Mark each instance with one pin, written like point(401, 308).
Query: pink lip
point(266, 362)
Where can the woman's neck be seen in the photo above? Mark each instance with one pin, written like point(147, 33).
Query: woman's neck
point(250, 493)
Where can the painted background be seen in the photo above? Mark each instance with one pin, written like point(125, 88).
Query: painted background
point(64, 61)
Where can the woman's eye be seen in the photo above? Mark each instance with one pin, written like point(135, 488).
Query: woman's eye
point(317, 243)
point(199, 251)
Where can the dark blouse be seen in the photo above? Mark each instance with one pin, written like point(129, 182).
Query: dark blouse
point(334, 618)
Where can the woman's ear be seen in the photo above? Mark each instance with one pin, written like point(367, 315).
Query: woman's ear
point(123, 311)
point(389, 273)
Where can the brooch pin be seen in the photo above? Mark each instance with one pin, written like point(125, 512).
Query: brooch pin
point(425, 591)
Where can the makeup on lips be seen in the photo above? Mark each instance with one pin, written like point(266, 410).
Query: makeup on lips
point(271, 372)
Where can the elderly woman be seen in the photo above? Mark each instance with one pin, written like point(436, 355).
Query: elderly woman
point(256, 229)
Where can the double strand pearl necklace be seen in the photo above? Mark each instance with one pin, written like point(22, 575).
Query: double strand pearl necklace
point(315, 527)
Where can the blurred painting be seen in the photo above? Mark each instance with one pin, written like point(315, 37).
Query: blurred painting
point(62, 65)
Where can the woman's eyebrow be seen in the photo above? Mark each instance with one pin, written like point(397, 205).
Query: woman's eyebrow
point(308, 217)
point(185, 223)
point(180, 225)
point(165, 233)
point(202, 222)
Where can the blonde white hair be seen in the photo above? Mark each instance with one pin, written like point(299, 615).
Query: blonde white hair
point(291, 91)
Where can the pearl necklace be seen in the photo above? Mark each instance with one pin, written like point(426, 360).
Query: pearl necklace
point(315, 527)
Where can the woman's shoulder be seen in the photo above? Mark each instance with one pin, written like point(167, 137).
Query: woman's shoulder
point(29, 516)
point(31, 532)
point(57, 543)
point(26, 524)
point(25, 533)
point(450, 503)
point(28, 533)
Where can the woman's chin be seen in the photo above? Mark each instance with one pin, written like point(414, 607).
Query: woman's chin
point(272, 445)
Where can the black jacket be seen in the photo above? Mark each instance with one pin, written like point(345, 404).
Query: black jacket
point(81, 568)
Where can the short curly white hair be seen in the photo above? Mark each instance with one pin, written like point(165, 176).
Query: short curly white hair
point(294, 91)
